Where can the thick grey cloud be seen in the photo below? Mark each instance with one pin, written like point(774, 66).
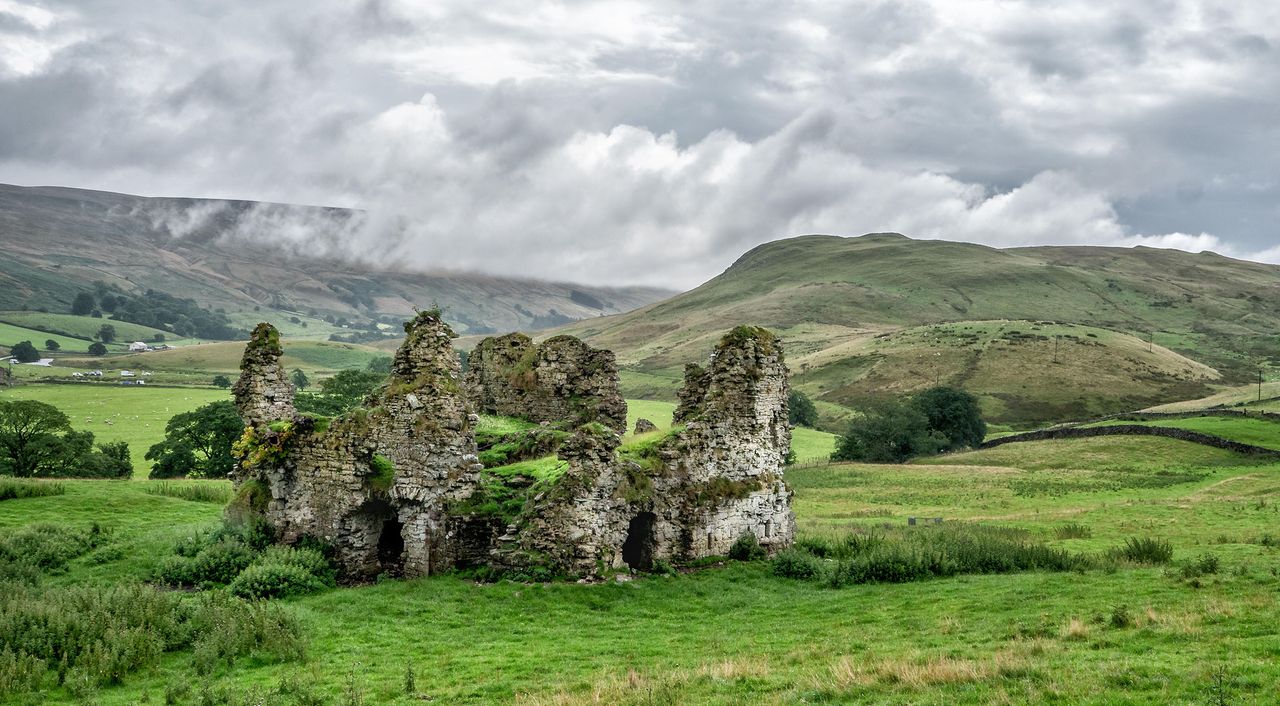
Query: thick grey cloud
point(653, 142)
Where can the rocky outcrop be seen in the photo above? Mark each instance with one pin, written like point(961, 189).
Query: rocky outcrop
point(561, 380)
point(644, 426)
point(395, 486)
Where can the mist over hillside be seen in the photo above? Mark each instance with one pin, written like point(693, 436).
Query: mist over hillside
point(237, 255)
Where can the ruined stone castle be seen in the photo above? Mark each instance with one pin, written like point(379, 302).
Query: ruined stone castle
point(398, 485)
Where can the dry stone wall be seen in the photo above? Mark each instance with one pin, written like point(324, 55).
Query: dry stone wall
point(396, 485)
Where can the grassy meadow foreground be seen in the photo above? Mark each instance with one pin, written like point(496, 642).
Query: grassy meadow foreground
point(1190, 631)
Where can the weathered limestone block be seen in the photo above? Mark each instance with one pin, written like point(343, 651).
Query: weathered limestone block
point(561, 380)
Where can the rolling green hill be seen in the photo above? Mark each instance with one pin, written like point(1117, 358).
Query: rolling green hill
point(1130, 327)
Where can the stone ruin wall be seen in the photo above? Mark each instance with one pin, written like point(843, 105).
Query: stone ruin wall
point(324, 483)
point(710, 483)
point(703, 487)
point(559, 380)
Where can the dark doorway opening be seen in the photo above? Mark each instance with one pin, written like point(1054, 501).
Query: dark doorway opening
point(391, 547)
point(637, 551)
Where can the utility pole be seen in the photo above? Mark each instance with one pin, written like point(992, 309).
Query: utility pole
point(1056, 339)
point(1259, 384)
point(1151, 341)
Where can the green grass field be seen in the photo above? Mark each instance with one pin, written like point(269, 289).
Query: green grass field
point(1258, 432)
point(115, 413)
point(10, 335)
point(736, 634)
point(84, 328)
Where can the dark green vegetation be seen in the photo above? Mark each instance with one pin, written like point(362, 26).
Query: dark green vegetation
point(340, 393)
point(24, 352)
point(892, 431)
point(36, 440)
point(801, 410)
point(198, 443)
point(883, 314)
point(899, 555)
point(11, 488)
point(243, 560)
point(86, 236)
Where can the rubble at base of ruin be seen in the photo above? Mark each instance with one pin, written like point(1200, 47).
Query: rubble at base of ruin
point(397, 485)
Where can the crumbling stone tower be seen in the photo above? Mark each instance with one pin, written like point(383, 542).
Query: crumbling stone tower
point(373, 483)
point(689, 494)
point(396, 485)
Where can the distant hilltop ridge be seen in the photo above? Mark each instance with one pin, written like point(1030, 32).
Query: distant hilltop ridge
point(883, 314)
point(58, 241)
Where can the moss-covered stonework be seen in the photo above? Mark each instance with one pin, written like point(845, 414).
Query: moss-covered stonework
point(561, 380)
point(397, 485)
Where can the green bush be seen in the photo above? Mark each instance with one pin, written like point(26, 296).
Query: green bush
point(94, 636)
point(240, 559)
point(50, 547)
point(1144, 550)
point(795, 564)
point(274, 580)
point(747, 548)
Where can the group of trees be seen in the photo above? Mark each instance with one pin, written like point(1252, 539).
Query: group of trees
point(26, 352)
point(155, 309)
point(937, 420)
point(37, 441)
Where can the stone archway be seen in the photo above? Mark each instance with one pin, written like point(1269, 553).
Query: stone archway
point(391, 547)
point(637, 550)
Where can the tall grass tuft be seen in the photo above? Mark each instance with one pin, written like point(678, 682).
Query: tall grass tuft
point(1144, 550)
point(1073, 530)
point(913, 554)
point(198, 492)
point(15, 488)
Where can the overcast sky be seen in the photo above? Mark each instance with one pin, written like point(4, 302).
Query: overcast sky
point(654, 142)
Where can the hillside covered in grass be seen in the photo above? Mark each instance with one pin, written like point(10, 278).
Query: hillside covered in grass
point(236, 255)
point(1039, 333)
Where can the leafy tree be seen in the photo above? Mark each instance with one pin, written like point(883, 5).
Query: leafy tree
point(221, 381)
point(158, 338)
point(954, 414)
point(198, 443)
point(51, 345)
point(97, 348)
point(24, 352)
point(340, 393)
point(380, 365)
point(801, 410)
point(300, 379)
point(888, 432)
point(106, 334)
point(83, 304)
point(29, 433)
point(36, 439)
